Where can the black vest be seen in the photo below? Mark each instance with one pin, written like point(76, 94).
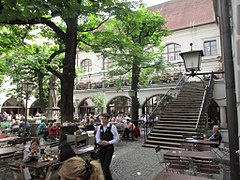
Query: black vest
point(107, 135)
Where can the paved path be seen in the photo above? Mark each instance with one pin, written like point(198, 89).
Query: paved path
point(133, 162)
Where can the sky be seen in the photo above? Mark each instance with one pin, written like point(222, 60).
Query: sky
point(153, 2)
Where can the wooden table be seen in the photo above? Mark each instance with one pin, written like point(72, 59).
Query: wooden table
point(192, 154)
point(41, 166)
point(10, 138)
point(77, 138)
point(174, 176)
point(201, 141)
point(84, 149)
point(8, 152)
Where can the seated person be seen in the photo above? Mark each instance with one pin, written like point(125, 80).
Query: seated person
point(216, 136)
point(53, 130)
point(66, 151)
point(42, 130)
point(90, 126)
point(76, 168)
point(32, 153)
point(130, 127)
point(22, 132)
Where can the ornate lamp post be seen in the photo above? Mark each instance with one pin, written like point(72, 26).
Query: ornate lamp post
point(27, 88)
point(192, 60)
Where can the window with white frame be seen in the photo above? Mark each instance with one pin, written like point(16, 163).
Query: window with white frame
point(86, 64)
point(106, 63)
point(210, 48)
point(171, 52)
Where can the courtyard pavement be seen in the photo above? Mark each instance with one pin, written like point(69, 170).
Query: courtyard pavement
point(131, 161)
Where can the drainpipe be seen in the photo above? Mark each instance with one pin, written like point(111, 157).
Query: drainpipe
point(225, 30)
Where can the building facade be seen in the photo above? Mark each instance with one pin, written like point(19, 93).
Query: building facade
point(190, 21)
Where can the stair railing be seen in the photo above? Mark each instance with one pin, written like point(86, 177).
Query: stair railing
point(205, 103)
point(161, 105)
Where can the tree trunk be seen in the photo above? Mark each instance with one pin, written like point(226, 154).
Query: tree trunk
point(67, 78)
point(134, 87)
point(41, 92)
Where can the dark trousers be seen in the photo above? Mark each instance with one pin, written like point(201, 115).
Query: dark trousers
point(105, 157)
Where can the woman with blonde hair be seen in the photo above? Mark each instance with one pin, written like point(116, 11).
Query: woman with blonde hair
point(76, 168)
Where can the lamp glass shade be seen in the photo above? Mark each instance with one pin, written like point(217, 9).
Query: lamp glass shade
point(27, 86)
point(131, 93)
point(192, 60)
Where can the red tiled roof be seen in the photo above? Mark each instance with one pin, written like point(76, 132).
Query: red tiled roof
point(181, 14)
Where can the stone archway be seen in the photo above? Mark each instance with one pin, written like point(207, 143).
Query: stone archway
point(150, 104)
point(86, 106)
point(35, 107)
point(12, 105)
point(119, 104)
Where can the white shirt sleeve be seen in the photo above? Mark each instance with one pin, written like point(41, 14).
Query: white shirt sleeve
point(98, 135)
point(115, 135)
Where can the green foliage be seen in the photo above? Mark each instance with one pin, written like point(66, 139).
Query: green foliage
point(99, 99)
point(133, 37)
point(66, 23)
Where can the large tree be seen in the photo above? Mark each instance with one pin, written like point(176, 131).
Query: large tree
point(28, 63)
point(68, 21)
point(132, 41)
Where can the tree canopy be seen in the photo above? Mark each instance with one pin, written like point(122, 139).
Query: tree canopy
point(67, 23)
point(132, 41)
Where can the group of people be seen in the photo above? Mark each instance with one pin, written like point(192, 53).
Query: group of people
point(74, 167)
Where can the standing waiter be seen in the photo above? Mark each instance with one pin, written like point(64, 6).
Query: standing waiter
point(106, 136)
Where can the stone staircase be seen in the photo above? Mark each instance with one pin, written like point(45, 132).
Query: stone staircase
point(179, 118)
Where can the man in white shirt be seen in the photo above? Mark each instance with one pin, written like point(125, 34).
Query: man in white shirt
point(106, 137)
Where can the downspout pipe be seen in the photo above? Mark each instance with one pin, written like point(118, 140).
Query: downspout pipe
point(232, 119)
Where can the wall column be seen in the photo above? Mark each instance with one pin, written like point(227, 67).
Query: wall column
point(223, 117)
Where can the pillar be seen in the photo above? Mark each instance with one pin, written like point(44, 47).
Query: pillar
point(223, 117)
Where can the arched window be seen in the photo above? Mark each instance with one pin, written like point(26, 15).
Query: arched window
point(86, 64)
point(106, 63)
point(171, 52)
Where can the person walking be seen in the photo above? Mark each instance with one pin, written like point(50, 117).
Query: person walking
point(106, 137)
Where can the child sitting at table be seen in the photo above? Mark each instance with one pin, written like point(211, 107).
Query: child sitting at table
point(33, 152)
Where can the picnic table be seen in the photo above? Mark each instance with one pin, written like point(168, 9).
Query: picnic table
point(8, 151)
point(174, 176)
point(201, 141)
point(192, 154)
point(9, 138)
point(84, 149)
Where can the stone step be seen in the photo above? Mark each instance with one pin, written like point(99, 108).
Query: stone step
point(178, 144)
point(179, 140)
point(166, 135)
point(180, 119)
point(162, 147)
point(175, 125)
point(186, 115)
point(173, 132)
point(182, 111)
point(174, 128)
point(170, 122)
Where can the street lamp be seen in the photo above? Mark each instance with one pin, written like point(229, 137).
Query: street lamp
point(192, 60)
point(27, 88)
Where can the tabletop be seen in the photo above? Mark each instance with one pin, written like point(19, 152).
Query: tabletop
point(10, 138)
point(34, 164)
point(9, 150)
point(192, 154)
point(174, 176)
point(84, 149)
point(201, 141)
